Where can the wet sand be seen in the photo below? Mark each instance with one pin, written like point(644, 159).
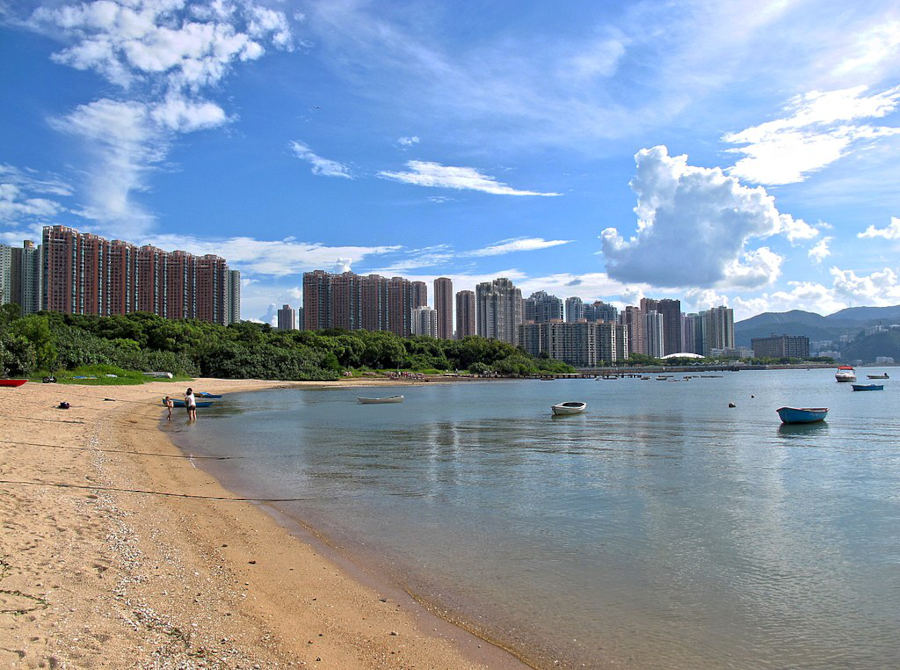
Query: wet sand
point(118, 551)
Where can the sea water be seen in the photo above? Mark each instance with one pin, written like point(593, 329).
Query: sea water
point(660, 529)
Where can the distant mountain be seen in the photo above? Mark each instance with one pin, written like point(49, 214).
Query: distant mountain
point(815, 326)
point(868, 348)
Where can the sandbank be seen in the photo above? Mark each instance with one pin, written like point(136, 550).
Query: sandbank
point(118, 551)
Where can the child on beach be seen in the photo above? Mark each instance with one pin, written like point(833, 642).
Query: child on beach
point(169, 406)
point(191, 404)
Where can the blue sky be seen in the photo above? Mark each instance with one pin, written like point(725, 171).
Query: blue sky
point(736, 153)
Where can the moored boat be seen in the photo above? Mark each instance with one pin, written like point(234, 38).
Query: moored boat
point(802, 414)
point(868, 387)
point(564, 408)
point(204, 394)
point(845, 373)
point(12, 382)
point(883, 375)
point(380, 401)
point(180, 403)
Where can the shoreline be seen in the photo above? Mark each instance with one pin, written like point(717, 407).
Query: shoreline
point(127, 570)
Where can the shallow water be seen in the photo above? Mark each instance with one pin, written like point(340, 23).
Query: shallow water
point(660, 529)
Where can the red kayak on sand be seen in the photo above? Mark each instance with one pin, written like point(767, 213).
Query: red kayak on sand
point(12, 382)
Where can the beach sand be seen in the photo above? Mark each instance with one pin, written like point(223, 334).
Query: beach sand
point(106, 572)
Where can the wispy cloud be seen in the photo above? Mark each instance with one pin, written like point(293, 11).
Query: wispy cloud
point(892, 232)
point(424, 173)
point(516, 244)
point(165, 57)
point(323, 167)
point(820, 128)
point(407, 142)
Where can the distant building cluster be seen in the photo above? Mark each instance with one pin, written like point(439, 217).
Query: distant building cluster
point(781, 346)
point(583, 335)
point(81, 273)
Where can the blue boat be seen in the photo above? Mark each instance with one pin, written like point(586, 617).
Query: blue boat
point(204, 394)
point(868, 387)
point(802, 414)
point(180, 403)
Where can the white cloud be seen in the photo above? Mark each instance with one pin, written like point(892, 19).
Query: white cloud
point(820, 128)
point(892, 232)
point(877, 289)
point(23, 201)
point(820, 251)
point(516, 244)
point(425, 173)
point(694, 225)
point(407, 142)
point(320, 166)
point(271, 257)
point(184, 116)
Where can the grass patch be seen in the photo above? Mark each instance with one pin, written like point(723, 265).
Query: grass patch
point(105, 375)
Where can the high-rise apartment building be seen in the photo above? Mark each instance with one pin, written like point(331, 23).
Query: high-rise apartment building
point(692, 333)
point(583, 344)
point(83, 273)
point(498, 310)
point(20, 276)
point(465, 314)
point(670, 310)
point(234, 296)
point(357, 302)
point(574, 309)
point(541, 307)
point(424, 321)
point(601, 311)
point(654, 333)
point(633, 319)
point(443, 305)
point(718, 329)
point(287, 318)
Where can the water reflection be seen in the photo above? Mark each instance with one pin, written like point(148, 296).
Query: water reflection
point(792, 431)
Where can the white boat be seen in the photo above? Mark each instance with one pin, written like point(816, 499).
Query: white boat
point(564, 408)
point(380, 401)
point(845, 373)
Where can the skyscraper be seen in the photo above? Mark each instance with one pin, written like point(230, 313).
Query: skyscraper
point(465, 314)
point(424, 321)
point(540, 307)
point(718, 329)
point(443, 305)
point(633, 319)
point(20, 276)
point(670, 310)
point(600, 311)
point(574, 309)
point(83, 273)
point(287, 318)
point(498, 310)
point(654, 333)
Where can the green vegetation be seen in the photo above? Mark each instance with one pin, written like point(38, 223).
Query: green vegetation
point(92, 346)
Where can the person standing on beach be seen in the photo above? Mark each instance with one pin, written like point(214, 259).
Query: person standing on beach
point(169, 406)
point(190, 402)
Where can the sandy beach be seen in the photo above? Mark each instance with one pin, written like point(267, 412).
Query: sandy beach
point(118, 551)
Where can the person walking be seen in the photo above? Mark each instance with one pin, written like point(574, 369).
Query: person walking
point(190, 402)
point(169, 406)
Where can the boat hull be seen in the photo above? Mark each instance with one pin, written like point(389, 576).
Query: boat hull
point(884, 376)
point(868, 387)
point(180, 403)
point(12, 382)
point(380, 401)
point(567, 408)
point(802, 414)
point(208, 395)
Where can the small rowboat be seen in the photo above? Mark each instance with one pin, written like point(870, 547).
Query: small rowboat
point(868, 387)
point(380, 401)
point(204, 394)
point(180, 403)
point(802, 414)
point(565, 408)
point(12, 382)
point(881, 376)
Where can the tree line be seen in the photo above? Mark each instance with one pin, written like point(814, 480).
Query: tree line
point(50, 341)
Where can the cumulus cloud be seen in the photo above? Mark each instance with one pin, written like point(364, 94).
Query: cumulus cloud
point(323, 167)
point(694, 225)
point(892, 232)
point(165, 56)
point(819, 128)
point(820, 251)
point(878, 288)
point(516, 244)
point(425, 173)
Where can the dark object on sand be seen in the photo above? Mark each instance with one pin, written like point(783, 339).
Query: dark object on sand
point(49, 380)
point(63, 405)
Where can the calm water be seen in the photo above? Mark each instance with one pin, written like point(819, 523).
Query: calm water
point(660, 529)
